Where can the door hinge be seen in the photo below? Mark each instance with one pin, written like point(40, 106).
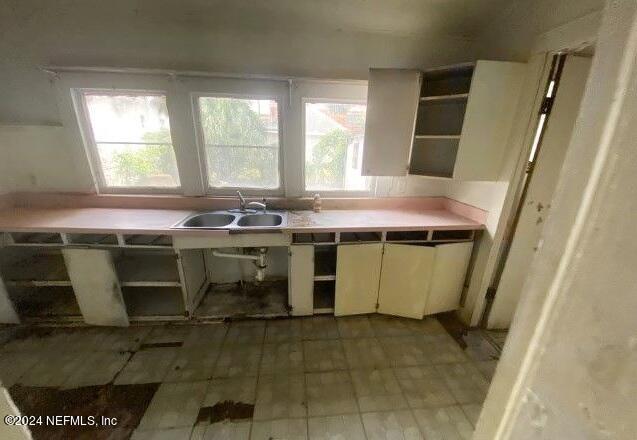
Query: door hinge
point(547, 105)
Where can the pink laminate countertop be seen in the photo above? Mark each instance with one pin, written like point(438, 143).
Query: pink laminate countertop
point(377, 219)
point(96, 220)
point(152, 221)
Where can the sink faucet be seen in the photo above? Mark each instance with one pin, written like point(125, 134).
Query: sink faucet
point(243, 206)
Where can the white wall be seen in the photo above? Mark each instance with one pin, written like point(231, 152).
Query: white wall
point(567, 371)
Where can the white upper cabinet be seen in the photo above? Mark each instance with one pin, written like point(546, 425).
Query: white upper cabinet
point(392, 102)
point(458, 128)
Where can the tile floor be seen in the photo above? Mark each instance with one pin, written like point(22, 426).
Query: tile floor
point(365, 377)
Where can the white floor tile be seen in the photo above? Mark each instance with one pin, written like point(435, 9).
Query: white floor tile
point(364, 353)
point(345, 427)
point(174, 405)
point(147, 366)
point(283, 330)
point(472, 411)
point(446, 423)
point(238, 360)
point(163, 434)
point(280, 396)
point(377, 390)
point(405, 351)
point(394, 425)
point(384, 325)
point(206, 335)
point(283, 429)
point(319, 327)
point(464, 380)
point(487, 368)
point(97, 368)
point(330, 393)
point(442, 349)
point(423, 387)
point(167, 334)
point(13, 365)
point(222, 431)
point(193, 363)
point(245, 332)
point(52, 369)
point(282, 356)
point(238, 389)
point(325, 355)
point(354, 327)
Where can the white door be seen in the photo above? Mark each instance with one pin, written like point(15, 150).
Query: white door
point(358, 269)
point(301, 280)
point(96, 286)
point(405, 279)
point(540, 190)
point(392, 101)
point(448, 276)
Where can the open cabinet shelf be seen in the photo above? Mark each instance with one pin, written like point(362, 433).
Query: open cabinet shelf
point(324, 297)
point(153, 302)
point(34, 267)
point(434, 157)
point(147, 268)
point(44, 303)
point(325, 263)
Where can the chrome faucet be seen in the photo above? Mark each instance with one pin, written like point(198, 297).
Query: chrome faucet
point(243, 206)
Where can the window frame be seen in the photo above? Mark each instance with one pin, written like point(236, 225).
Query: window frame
point(201, 145)
point(91, 144)
point(331, 193)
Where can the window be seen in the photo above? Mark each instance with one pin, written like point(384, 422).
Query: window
point(241, 141)
point(131, 142)
point(334, 135)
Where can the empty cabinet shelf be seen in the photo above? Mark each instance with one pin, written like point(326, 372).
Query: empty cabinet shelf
point(147, 269)
point(325, 263)
point(324, 296)
point(38, 268)
point(153, 302)
point(35, 238)
point(44, 302)
point(146, 240)
point(93, 239)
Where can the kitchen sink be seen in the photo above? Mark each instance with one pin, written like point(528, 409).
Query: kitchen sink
point(208, 220)
point(233, 221)
point(252, 220)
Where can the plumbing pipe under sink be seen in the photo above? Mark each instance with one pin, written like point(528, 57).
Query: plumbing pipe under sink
point(259, 260)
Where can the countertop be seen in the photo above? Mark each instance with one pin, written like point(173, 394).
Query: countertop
point(153, 221)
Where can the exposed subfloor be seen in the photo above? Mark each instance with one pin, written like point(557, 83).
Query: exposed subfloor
point(266, 299)
point(364, 377)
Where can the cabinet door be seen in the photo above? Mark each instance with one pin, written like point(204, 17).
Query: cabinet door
point(405, 279)
point(301, 280)
point(392, 102)
point(447, 278)
point(357, 275)
point(96, 286)
point(7, 312)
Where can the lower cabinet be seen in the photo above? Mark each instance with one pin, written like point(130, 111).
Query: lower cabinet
point(400, 279)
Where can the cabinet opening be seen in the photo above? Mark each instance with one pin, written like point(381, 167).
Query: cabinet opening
point(433, 157)
point(440, 117)
point(245, 299)
point(33, 267)
point(452, 235)
point(145, 302)
point(316, 238)
point(324, 294)
point(324, 262)
point(44, 302)
point(148, 240)
point(452, 80)
point(359, 237)
point(147, 267)
point(407, 235)
point(93, 239)
point(39, 238)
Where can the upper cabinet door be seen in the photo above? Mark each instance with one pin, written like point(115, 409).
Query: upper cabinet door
point(405, 279)
point(357, 275)
point(392, 102)
point(491, 108)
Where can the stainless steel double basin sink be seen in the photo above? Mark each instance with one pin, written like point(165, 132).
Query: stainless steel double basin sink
point(233, 221)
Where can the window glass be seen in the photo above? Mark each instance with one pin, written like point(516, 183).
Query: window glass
point(334, 140)
point(241, 138)
point(132, 139)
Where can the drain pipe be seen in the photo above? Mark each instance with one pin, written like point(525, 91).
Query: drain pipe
point(258, 259)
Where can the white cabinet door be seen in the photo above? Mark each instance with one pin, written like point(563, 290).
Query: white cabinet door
point(495, 90)
point(405, 279)
point(301, 280)
point(392, 102)
point(96, 285)
point(358, 269)
point(448, 276)
point(7, 311)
